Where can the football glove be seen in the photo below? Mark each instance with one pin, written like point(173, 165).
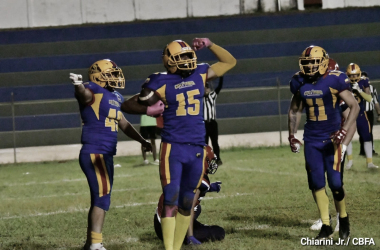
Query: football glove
point(295, 144)
point(156, 109)
point(215, 186)
point(191, 240)
point(356, 87)
point(76, 79)
point(200, 43)
point(344, 148)
point(147, 146)
point(339, 136)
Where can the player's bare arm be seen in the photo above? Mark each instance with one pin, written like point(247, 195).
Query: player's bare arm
point(146, 102)
point(132, 133)
point(294, 118)
point(350, 124)
point(82, 94)
point(294, 113)
point(226, 60)
point(132, 106)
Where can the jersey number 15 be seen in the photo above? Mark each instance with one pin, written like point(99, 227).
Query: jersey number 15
point(193, 110)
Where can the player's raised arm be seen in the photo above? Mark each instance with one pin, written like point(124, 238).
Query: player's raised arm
point(226, 60)
point(84, 95)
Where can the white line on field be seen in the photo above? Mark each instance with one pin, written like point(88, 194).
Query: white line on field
point(72, 194)
point(268, 172)
point(73, 210)
point(256, 227)
point(58, 181)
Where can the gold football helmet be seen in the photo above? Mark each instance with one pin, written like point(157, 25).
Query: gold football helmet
point(314, 59)
point(178, 55)
point(106, 73)
point(353, 72)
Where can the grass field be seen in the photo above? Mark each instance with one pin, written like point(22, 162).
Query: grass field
point(264, 203)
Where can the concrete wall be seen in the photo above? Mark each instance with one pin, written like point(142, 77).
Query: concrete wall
point(44, 13)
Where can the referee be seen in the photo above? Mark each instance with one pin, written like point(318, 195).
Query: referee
point(370, 106)
point(209, 116)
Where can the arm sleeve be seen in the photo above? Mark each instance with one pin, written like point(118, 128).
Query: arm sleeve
point(220, 85)
point(226, 60)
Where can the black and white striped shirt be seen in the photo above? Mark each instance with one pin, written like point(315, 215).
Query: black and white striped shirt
point(370, 105)
point(209, 110)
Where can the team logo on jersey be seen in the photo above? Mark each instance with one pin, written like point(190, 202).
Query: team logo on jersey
point(114, 103)
point(313, 92)
point(184, 85)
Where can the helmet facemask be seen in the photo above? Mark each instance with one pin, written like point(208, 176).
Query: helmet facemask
point(314, 61)
point(354, 73)
point(106, 74)
point(178, 57)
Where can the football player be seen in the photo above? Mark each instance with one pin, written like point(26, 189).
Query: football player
point(362, 93)
point(317, 225)
point(197, 232)
point(99, 105)
point(181, 89)
point(318, 91)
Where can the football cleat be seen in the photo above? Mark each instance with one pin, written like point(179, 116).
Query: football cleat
point(96, 246)
point(146, 162)
point(316, 225)
point(326, 232)
point(371, 165)
point(344, 227)
point(337, 223)
point(349, 164)
point(156, 162)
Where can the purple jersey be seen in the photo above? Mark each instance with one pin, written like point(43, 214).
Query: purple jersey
point(100, 120)
point(321, 101)
point(363, 83)
point(183, 98)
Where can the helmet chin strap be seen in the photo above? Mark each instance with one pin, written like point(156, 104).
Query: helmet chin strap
point(184, 73)
point(313, 77)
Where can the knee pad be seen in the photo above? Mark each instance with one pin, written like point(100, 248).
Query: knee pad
point(171, 195)
point(338, 194)
point(103, 202)
point(186, 200)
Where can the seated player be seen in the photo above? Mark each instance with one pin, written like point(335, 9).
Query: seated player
point(197, 232)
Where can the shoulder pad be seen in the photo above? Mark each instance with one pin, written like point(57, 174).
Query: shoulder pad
point(295, 83)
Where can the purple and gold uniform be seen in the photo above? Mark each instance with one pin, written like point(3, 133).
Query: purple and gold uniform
point(323, 117)
point(99, 139)
point(182, 150)
point(362, 122)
